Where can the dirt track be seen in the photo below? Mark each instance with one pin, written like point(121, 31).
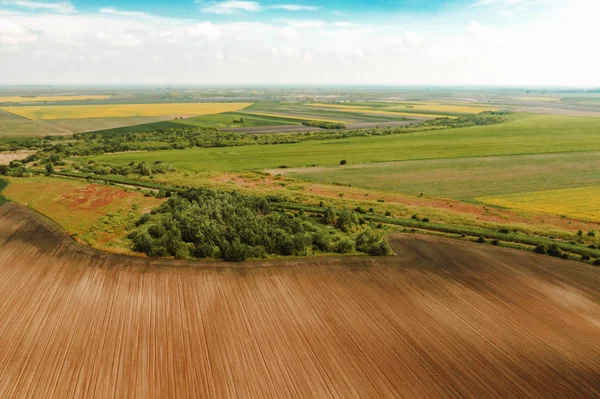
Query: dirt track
point(442, 319)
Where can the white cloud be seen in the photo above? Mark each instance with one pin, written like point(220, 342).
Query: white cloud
point(12, 34)
point(204, 29)
point(308, 58)
point(61, 7)
point(231, 7)
point(113, 11)
point(288, 33)
point(104, 48)
point(294, 7)
point(412, 39)
point(305, 23)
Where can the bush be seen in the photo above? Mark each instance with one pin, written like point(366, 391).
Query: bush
point(596, 262)
point(347, 221)
point(324, 125)
point(329, 216)
point(345, 245)
point(372, 244)
point(343, 162)
point(481, 240)
point(540, 249)
point(585, 257)
point(554, 250)
point(495, 242)
point(388, 213)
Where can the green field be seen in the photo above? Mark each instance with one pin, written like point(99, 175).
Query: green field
point(225, 120)
point(14, 127)
point(465, 178)
point(525, 134)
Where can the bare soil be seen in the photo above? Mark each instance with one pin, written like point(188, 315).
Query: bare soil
point(7, 157)
point(441, 319)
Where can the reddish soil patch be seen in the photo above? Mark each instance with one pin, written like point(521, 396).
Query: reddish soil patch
point(441, 319)
point(94, 197)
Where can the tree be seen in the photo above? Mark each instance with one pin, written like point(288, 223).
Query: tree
point(347, 221)
point(49, 168)
point(329, 216)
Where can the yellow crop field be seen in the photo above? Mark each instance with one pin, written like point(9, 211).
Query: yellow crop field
point(580, 203)
point(34, 99)
point(123, 110)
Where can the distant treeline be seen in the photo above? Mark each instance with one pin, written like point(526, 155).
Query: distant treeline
point(208, 223)
point(94, 143)
point(324, 125)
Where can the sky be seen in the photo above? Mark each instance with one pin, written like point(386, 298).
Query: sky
point(314, 42)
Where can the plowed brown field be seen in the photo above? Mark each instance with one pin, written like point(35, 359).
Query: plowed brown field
point(441, 319)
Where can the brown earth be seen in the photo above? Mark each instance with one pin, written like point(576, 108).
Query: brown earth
point(7, 157)
point(441, 319)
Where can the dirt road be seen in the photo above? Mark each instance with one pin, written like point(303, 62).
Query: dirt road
point(441, 319)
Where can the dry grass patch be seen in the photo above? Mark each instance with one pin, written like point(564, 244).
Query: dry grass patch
point(93, 214)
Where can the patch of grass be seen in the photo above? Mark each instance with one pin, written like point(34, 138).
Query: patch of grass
point(465, 178)
point(13, 127)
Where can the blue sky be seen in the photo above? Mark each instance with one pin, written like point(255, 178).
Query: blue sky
point(447, 42)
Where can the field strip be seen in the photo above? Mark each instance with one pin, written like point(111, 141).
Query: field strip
point(20, 99)
point(308, 117)
point(382, 112)
point(582, 203)
point(123, 110)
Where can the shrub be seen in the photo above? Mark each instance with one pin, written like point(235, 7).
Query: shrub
point(540, 249)
point(585, 257)
point(554, 250)
point(388, 213)
point(347, 221)
point(481, 240)
point(343, 162)
point(495, 242)
point(329, 216)
point(596, 262)
point(345, 245)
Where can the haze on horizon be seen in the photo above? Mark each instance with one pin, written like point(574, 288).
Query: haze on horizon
point(406, 42)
